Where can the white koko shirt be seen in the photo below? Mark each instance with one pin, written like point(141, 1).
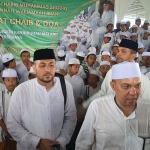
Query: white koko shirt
point(35, 113)
point(107, 128)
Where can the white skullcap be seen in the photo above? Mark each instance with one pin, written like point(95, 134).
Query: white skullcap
point(24, 50)
point(146, 54)
point(84, 28)
point(134, 26)
point(122, 22)
point(146, 21)
point(81, 54)
point(83, 40)
point(61, 53)
point(31, 59)
point(104, 63)
point(124, 34)
point(72, 35)
point(113, 59)
point(133, 34)
point(143, 69)
point(92, 49)
point(119, 41)
point(72, 42)
point(7, 57)
point(91, 53)
point(31, 71)
point(105, 49)
point(110, 23)
point(106, 53)
point(107, 35)
point(116, 45)
point(68, 35)
point(137, 55)
point(147, 31)
point(94, 45)
point(125, 70)
point(95, 72)
point(137, 19)
point(73, 61)
point(9, 73)
point(140, 45)
point(71, 25)
point(61, 48)
point(67, 30)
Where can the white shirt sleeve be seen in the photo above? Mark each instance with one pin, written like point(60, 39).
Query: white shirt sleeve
point(14, 123)
point(85, 138)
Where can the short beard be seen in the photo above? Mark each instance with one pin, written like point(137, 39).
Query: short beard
point(46, 81)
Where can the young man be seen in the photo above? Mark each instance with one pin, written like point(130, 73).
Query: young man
point(134, 37)
point(10, 80)
point(140, 51)
point(126, 52)
point(76, 81)
point(106, 56)
point(38, 118)
point(61, 65)
point(72, 53)
point(106, 42)
point(23, 67)
point(83, 47)
point(117, 120)
point(115, 50)
point(93, 84)
point(145, 41)
point(146, 59)
point(9, 61)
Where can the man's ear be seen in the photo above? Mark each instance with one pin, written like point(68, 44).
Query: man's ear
point(34, 68)
point(133, 56)
point(112, 84)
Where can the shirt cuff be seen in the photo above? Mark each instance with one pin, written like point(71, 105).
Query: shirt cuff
point(62, 141)
point(34, 141)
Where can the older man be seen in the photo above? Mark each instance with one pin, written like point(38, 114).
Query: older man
point(115, 120)
point(126, 52)
point(38, 116)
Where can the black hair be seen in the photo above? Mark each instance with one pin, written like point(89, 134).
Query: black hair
point(80, 58)
point(109, 38)
point(0, 36)
point(6, 64)
point(24, 52)
point(133, 51)
point(62, 58)
point(89, 56)
point(71, 65)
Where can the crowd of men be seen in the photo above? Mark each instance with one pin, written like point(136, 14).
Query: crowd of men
point(93, 93)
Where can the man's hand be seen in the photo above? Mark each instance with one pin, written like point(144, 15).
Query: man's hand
point(62, 71)
point(80, 100)
point(46, 144)
point(81, 112)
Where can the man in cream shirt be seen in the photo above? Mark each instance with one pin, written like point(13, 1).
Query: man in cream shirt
point(38, 117)
point(126, 52)
point(117, 120)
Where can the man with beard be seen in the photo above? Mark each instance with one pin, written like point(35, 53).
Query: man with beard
point(39, 116)
point(126, 52)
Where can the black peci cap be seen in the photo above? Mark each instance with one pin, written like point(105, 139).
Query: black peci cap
point(44, 54)
point(129, 44)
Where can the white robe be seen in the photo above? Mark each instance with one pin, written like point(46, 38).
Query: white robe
point(107, 16)
point(35, 113)
point(70, 55)
point(4, 104)
point(107, 90)
point(78, 86)
point(107, 128)
point(83, 49)
point(146, 44)
point(21, 69)
point(120, 32)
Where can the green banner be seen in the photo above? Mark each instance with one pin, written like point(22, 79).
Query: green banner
point(33, 25)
